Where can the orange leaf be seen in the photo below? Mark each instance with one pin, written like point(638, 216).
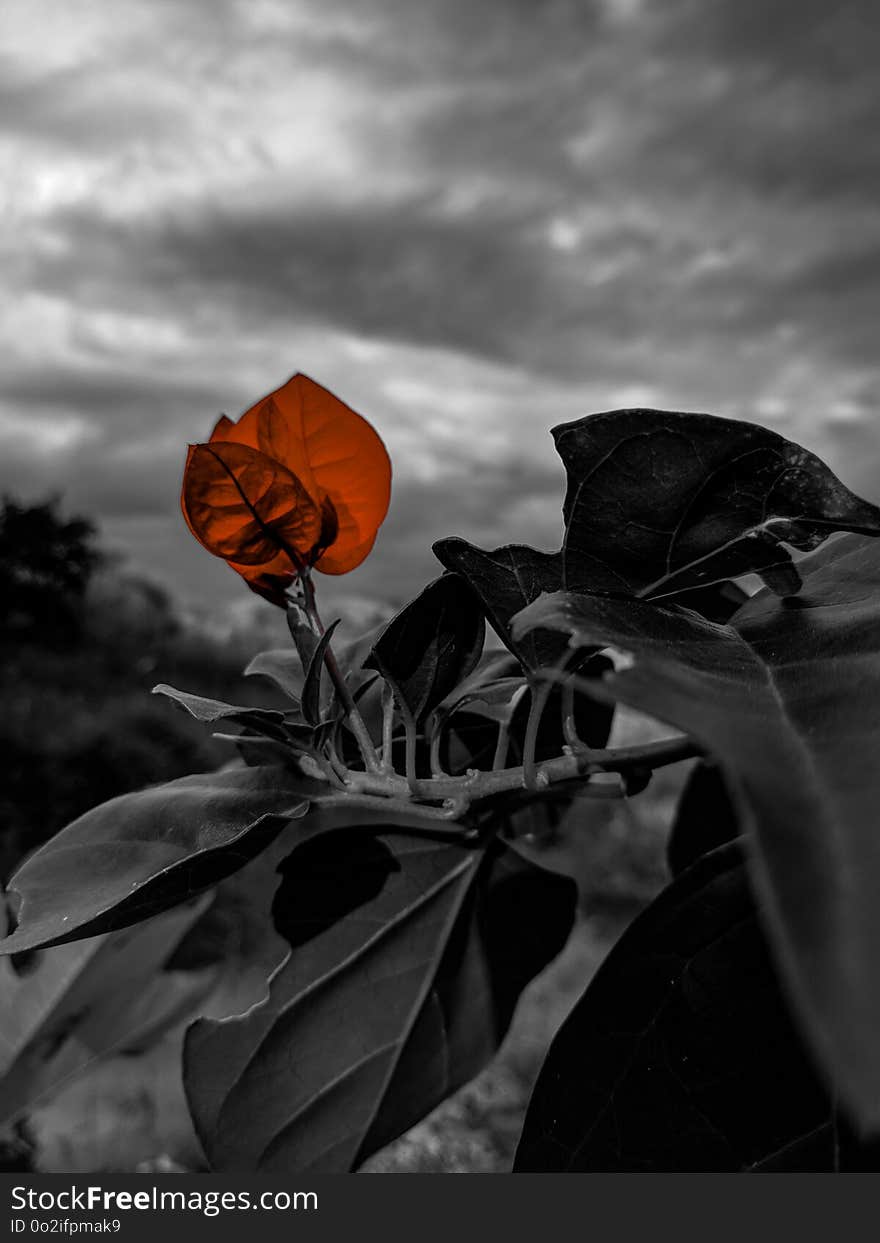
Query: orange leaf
point(332, 451)
point(270, 580)
point(249, 509)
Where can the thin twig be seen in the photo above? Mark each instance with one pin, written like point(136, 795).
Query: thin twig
point(355, 720)
point(387, 728)
point(409, 725)
point(540, 693)
point(569, 726)
point(438, 720)
point(502, 743)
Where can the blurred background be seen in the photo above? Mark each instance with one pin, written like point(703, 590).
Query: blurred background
point(471, 222)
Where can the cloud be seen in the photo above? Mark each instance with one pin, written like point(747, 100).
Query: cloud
point(471, 221)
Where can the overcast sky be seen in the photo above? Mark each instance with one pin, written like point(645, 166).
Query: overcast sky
point(472, 219)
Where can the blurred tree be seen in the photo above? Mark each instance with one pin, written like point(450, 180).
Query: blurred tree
point(46, 562)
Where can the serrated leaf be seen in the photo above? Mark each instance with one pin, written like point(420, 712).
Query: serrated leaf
point(786, 702)
point(659, 502)
point(406, 958)
point(431, 644)
point(142, 853)
point(682, 1055)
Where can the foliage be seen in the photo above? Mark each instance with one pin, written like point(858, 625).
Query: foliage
point(299, 480)
point(737, 1025)
point(78, 725)
point(46, 563)
point(64, 1009)
point(683, 1055)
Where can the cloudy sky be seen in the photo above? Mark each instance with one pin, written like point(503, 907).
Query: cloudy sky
point(470, 220)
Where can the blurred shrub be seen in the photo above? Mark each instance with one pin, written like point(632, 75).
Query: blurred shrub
point(46, 562)
point(81, 645)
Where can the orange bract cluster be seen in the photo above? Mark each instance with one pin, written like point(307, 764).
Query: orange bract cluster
point(300, 480)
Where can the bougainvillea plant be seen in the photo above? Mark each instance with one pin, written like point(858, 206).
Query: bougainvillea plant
point(736, 1024)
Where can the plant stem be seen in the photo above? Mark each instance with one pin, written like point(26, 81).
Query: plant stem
point(356, 721)
point(438, 722)
point(387, 728)
point(432, 820)
point(499, 759)
point(569, 727)
point(479, 784)
point(539, 696)
point(411, 740)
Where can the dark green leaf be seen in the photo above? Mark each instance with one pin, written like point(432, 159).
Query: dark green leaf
point(658, 502)
point(407, 956)
point(434, 642)
point(103, 995)
point(491, 668)
point(518, 917)
point(472, 731)
point(681, 1055)
point(505, 581)
point(351, 655)
point(263, 720)
point(788, 703)
point(143, 853)
point(705, 818)
point(311, 695)
point(494, 700)
point(283, 667)
point(305, 638)
point(718, 601)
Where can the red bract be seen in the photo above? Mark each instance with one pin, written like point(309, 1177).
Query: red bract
point(300, 480)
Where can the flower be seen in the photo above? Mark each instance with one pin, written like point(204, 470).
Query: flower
point(300, 480)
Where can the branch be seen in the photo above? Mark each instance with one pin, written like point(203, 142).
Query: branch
point(355, 720)
point(478, 784)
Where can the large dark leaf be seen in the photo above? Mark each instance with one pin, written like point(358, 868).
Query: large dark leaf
point(431, 644)
point(143, 853)
point(789, 705)
point(682, 1056)
point(718, 601)
point(705, 818)
point(407, 957)
point(505, 581)
point(73, 1004)
point(658, 502)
